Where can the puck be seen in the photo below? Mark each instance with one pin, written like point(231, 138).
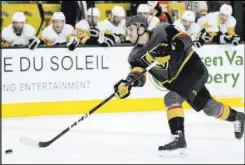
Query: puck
point(9, 151)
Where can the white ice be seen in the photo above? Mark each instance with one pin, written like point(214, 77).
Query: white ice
point(120, 138)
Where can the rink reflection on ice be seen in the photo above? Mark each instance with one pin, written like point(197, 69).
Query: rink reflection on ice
point(120, 138)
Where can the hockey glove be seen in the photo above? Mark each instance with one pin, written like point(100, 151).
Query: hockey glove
point(235, 40)
point(224, 39)
point(94, 34)
point(5, 44)
point(121, 90)
point(72, 43)
point(109, 40)
point(33, 42)
point(197, 44)
point(205, 37)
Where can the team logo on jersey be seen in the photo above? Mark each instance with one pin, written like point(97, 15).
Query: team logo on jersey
point(148, 59)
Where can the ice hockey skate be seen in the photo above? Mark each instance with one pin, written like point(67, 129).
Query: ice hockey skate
point(176, 146)
point(239, 125)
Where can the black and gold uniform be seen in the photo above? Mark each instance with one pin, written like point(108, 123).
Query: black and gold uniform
point(182, 72)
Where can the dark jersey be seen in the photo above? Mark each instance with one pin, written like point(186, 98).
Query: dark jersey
point(164, 33)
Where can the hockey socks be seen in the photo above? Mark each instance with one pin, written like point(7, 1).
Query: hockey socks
point(175, 115)
point(227, 113)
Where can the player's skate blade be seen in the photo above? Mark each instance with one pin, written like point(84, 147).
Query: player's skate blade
point(176, 146)
point(239, 125)
point(173, 153)
point(29, 142)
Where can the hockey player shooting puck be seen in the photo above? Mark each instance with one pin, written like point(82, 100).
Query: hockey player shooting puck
point(9, 151)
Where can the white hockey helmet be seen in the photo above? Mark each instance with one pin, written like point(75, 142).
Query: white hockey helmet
point(188, 16)
point(118, 11)
point(58, 16)
point(19, 17)
point(152, 4)
point(226, 9)
point(143, 8)
point(93, 12)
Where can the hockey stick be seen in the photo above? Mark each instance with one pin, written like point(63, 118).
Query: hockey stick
point(42, 15)
point(34, 143)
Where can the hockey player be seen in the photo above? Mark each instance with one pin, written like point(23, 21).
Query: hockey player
point(114, 28)
point(223, 23)
point(19, 33)
point(180, 70)
point(88, 31)
point(144, 10)
point(59, 33)
point(209, 31)
point(187, 24)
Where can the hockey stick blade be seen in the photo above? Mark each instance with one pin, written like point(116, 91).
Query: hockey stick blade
point(33, 143)
point(29, 142)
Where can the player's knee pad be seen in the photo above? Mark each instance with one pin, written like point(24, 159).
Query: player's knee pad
point(172, 98)
point(212, 108)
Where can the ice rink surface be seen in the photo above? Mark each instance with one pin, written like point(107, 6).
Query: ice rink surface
point(120, 138)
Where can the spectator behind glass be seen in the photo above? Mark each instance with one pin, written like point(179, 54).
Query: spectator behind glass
point(19, 33)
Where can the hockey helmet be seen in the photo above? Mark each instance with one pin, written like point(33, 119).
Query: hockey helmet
point(118, 11)
point(93, 12)
point(143, 8)
point(138, 20)
point(19, 17)
point(58, 16)
point(188, 16)
point(226, 9)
